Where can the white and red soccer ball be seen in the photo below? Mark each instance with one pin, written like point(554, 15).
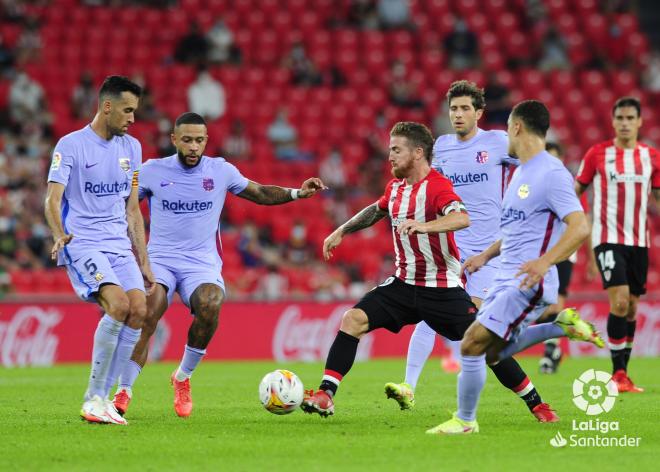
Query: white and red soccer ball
point(281, 392)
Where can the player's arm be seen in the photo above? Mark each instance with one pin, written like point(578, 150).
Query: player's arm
point(52, 209)
point(276, 195)
point(137, 236)
point(366, 217)
point(577, 230)
point(454, 217)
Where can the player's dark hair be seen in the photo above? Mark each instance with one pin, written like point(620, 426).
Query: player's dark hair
point(417, 135)
point(465, 88)
point(114, 85)
point(628, 102)
point(554, 146)
point(189, 118)
point(534, 115)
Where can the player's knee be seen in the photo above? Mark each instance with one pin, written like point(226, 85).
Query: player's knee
point(119, 308)
point(138, 314)
point(620, 307)
point(354, 322)
point(207, 301)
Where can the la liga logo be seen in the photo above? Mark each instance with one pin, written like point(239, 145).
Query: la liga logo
point(594, 393)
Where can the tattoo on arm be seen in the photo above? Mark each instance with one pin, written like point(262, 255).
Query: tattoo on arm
point(365, 218)
point(266, 194)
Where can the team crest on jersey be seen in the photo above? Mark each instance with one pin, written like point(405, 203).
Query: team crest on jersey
point(482, 157)
point(125, 164)
point(57, 160)
point(523, 191)
point(208, 184)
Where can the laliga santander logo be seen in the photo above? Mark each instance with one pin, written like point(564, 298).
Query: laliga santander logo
point(28, 339)
point(309, 339)
point(594, 392)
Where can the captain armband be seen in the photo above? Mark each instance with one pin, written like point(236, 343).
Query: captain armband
point(134, 182)
point(454, 206)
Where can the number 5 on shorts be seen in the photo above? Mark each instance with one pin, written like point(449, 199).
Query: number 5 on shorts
point(90, 266)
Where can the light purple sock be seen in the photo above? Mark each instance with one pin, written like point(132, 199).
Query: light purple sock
point(419, 349)
point(128, 338)
point(471, 382)
point(455, 347)
point(128, 375)
point(530, 336)
point(106, 339)
point(191, 357)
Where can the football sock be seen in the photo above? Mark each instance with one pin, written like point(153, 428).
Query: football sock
point(471, 381)
point(629, 340)
point(616, 333)
point(340, 360)
point(530, 336)
point(511, 375)
point(419, 349)
point(128, 338)
point(455, 348)
point(191, 357)
point(128, 375)
point(105, 344)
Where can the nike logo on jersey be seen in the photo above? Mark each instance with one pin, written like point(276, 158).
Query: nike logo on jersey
point(87, 166)
point(165, 184)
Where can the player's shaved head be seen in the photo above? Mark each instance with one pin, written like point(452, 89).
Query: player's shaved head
point(417, 135)
point(534, 115)
point(113, 86)
point(189, 118)
point(465, 88)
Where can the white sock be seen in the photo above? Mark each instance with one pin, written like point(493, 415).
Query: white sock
point(419, 349)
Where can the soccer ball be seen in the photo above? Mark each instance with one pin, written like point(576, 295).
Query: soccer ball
point(281, 392)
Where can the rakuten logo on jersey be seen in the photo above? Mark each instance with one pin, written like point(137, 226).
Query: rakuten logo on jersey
point(28, 338)
point(513, 214)
point(178, 207)
point(104, 189)
point(467, 179)
point(298, 338)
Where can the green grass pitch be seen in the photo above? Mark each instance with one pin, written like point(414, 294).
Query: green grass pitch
point(229, 430)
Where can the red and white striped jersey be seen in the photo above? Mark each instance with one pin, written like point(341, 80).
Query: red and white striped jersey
point(622, 179)
point(429, 260)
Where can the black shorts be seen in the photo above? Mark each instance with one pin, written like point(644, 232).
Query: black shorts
point(394, 304)
point(623, 265)
point(564, 271)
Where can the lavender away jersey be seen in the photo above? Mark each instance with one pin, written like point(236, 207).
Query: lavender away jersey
point(185, 204)
point(478, 168)
point(540, 195)
point(98, 175)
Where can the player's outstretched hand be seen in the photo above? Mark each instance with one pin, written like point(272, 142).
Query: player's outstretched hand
point(411, 227)
point(535, 270)
point(473, 264)
point(330, 243)
point(149, 279)
point(310, 187)
point(59, 244)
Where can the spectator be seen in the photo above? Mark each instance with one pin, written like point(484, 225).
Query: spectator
point(378, 140)
point(499, 103)
point(461, 47)
point(236, 145)
point(221, 44)
point(163, 138)
point(206, 96)
point(84, 100)
point(273, 285)
point(363, 14)
point(249, 246)
point(303, 70)
point(553, 52)
point(327, 282)
point(26, 99)
point(333, 171)
point(192, 48)
point(29, 44)
point(402, 91)
point(147, 110)
point(441, 122)
point(394, 14)
point(284, 137)
point(297, 249)
point(338, 208)
point(6, 58)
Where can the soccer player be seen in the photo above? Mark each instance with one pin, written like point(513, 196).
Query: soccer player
point(427, 285)
point(623, 172)
point(186, 193)
point(539, 197)
point(477, 162)
point(93, 212)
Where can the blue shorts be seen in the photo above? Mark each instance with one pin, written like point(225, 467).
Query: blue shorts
point(97, 268)
point(478, 283)
point(182, 275)
point(508, 310)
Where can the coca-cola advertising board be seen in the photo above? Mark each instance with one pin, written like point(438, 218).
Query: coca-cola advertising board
point(46, 334)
